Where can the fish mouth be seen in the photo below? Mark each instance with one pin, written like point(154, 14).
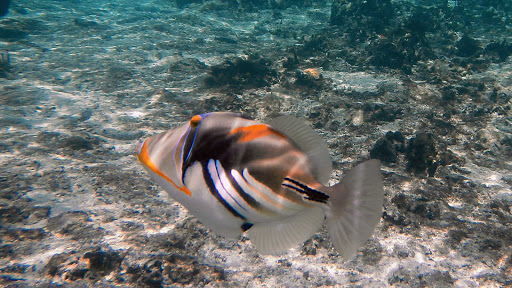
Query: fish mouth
point(142, 153)
point(144, 159)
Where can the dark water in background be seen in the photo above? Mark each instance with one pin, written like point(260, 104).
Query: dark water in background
point(422, 85)
point(4, 7)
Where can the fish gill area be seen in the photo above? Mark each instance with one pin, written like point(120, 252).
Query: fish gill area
point(424, 86)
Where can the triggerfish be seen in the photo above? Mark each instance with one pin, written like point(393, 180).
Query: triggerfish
point(237, 175)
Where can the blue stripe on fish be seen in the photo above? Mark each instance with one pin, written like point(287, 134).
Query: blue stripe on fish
point(213, 190)
point(197, 123)
point(192, 144)
point(247, 198)
point(218, 169)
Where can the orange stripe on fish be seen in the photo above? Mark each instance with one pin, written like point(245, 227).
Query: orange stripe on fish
point(143, 157)
point(252, 132)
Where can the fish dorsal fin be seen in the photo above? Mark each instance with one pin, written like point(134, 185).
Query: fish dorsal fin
point(309, 142)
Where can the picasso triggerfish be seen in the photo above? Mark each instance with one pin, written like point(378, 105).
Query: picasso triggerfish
point(237, 175)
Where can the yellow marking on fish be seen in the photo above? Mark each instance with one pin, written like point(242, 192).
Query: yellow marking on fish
point(143, 157)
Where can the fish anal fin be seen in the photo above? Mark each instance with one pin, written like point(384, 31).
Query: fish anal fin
point(278, 236)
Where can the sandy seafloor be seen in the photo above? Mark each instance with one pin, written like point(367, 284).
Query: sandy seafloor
point(88, 81)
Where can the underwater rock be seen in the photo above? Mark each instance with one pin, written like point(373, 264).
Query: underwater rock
point(56, 139)
point(401, 50)
point(383, 150)
point(12, 214)
point(309, 78)
point(76, 226)
point(14, 96)
point(500, 50)
point(103, 262)
point(14, 120)
point(443, 127)
point(467, 47)
point(449, 93)
point(381, 112)
point(242, 73)
point(388, 55)
point(386, 149)
point(315, 44)
point(116, 76)
point(121, 135)
point(93, 265)
point(55, 264)
point(77, 143)
point(373, 15)
point(186, 270)
point(291, 61)
point(15, 269)
point(418, 205)
point(256, 5)
point(421, 21)
point(12, 34)
point(372, 252)
point(181, 67)
point(230, 102)
point(409, 277)
point(421, 153)
point(448, 158)
point(150, 275)
point(15, 29)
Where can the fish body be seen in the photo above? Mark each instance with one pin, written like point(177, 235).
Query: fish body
point(237, 175)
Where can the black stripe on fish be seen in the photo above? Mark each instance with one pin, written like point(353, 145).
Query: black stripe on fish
point(216, 144)
point(247, 198)
point(310, 193)
point(186, 147)
point(246, 226)
point(211, 187)
point(217, 163)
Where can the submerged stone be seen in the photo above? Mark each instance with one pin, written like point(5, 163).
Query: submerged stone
point(421, 153)
point(467, 47)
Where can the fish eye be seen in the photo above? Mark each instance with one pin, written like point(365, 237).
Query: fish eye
point(195, 121)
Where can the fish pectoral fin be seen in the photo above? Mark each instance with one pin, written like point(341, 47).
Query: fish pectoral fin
point(280, 235)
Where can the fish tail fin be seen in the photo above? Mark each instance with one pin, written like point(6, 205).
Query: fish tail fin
point(356, 207)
